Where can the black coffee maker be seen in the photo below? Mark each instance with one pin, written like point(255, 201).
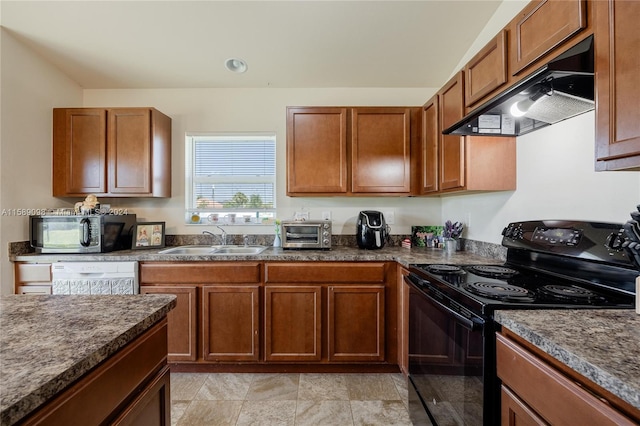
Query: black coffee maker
point(371, 230)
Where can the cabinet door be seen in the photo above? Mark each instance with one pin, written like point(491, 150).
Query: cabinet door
point(316, 150)
point(514, 412)
point(230, 323)
point(79, 151)
point(429, 152)
point(451, 108)
point(182, 321)
point(356, 323)
point(381, 150)
point(129, 151)
point(487, 70)
point(542, 26)
point(292, 323)
point(152, 407)
point(618, 92)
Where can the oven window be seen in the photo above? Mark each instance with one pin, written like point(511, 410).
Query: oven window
point(445, 363)
point(302, 234)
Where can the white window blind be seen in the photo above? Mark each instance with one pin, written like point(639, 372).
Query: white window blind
point(230, 174)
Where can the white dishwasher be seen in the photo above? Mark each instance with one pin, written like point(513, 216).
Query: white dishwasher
point(95, 278)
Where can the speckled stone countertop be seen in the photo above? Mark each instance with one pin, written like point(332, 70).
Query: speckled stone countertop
point(602, 345)
point(341, 253)
point(48, 342)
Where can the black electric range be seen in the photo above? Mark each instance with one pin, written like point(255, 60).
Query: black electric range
point(549, 265)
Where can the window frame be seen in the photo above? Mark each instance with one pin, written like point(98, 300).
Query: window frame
point(195, 215)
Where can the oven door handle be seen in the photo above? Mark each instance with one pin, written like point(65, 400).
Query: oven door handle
point(473, 323)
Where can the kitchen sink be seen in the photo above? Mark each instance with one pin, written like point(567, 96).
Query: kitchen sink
point(188, 250)
point(240, 250)
point(214, 250)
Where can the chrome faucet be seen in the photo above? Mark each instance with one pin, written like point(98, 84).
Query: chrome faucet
point(245, 237)
point(223, 236)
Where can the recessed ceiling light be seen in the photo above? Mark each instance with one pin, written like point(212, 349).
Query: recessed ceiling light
point(236, 65)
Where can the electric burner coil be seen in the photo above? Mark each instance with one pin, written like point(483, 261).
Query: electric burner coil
point(443, 269)
point(492, 271)
point(500, 291)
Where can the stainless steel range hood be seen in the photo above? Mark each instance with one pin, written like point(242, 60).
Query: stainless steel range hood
point(561, 89)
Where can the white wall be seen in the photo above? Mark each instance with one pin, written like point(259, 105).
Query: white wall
point(228, 110)
point(30, 89)
point(556, 180)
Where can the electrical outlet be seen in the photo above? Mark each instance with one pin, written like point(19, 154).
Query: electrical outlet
point(326, 215)
point(389, 216)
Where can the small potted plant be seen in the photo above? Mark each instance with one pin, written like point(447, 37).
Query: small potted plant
point(276, 240)
point(450, 235)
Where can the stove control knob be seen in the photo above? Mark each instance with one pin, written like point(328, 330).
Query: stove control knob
point(615, 241)
point(507, 232)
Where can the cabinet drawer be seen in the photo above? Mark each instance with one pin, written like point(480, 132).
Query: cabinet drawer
point(329, 272)
point(33, 272)
point(200, 272)
point(549, 393)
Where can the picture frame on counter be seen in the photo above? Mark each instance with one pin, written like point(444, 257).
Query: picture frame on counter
point(148, 235)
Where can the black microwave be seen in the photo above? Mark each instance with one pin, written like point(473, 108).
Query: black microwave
point(96, 233)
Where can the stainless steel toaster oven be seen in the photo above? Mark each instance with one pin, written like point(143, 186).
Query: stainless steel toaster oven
point(307, 234)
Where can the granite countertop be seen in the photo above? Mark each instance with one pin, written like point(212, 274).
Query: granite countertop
point(48, 342)
point(602, 345)
point(340, 253)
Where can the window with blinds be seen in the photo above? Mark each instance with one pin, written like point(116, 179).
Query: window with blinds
point(230, 178)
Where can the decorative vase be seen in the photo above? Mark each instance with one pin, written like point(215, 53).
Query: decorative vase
point(276, 241)
point(450, 245)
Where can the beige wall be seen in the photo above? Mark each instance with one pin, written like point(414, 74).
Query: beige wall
point(229, 110)
point(30, 88)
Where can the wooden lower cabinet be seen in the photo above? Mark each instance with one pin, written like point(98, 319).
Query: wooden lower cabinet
point(182, 320)
point(129, 388)
point(292, 323)
point(331, 312)
point(536, 392)
point(217, 313)
point(250, 313)
point(356, 323)
point(230, 323)
point(514, 412)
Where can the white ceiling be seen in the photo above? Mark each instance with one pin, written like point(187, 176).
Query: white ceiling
point(184, 44)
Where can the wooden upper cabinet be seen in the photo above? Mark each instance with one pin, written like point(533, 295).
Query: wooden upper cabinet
point(79, 151)
point(617, 90)
point(451, 149)
point(542, 26)
point(119, 152)
point(316, 150)
point(487, 70)
point(381, 150)
point(350, 151)
point(428, 155)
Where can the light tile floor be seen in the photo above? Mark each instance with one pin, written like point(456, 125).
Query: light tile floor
point(316, 399)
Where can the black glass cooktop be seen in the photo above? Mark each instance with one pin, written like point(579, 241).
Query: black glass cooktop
point(490, 287)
